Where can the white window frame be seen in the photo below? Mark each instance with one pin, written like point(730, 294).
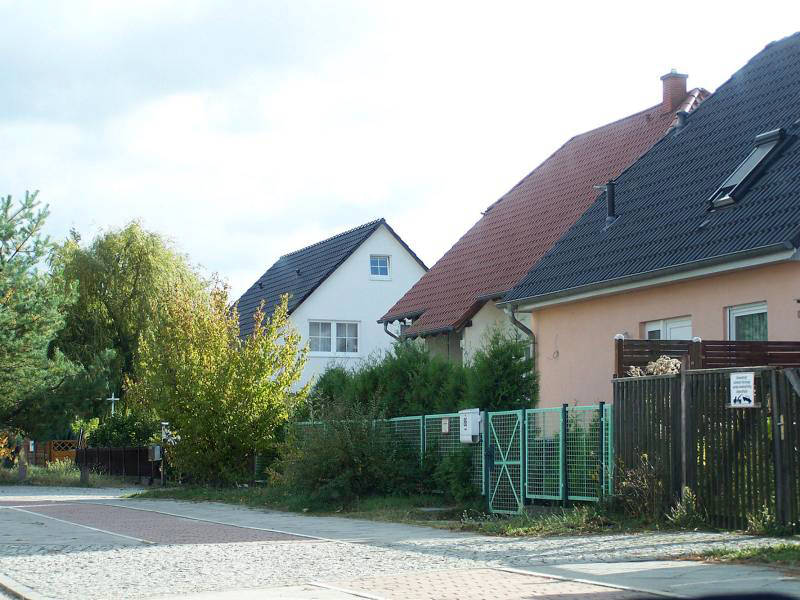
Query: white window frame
point(330, 336)
point(333, 352)
point(741, 310)
point(663, 326)
point(388, 275)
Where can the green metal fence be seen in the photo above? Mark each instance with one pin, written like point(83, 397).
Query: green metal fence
point(507, 473)
point(442, 437)
point(537, 454)
point(570, 453)
point(543, 436)
point(424, 434)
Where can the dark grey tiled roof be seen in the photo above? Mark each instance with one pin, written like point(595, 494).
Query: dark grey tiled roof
point(300, 273)
point(662, 199)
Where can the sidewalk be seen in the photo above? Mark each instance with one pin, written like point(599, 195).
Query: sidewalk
point(633, 561)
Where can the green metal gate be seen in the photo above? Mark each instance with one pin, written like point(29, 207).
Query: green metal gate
point(569, 453)
point(544, 473)
point(507, 451)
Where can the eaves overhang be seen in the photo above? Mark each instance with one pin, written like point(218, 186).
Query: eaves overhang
point(711, 266)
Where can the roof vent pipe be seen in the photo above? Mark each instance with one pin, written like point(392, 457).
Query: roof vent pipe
point(612, 211)
point(680, 119)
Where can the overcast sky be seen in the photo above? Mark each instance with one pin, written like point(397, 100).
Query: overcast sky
point(245, 130)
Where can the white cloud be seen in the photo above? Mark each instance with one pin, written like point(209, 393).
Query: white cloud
point(245, 133)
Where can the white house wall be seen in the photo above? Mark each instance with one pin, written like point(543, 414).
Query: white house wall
point(487, 318)
point(349, 294)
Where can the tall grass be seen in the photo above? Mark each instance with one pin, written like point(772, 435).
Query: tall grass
point(62, 472)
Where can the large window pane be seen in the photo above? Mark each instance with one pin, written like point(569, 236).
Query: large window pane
point(319, 336)
point(751, 327)
point(347, 337)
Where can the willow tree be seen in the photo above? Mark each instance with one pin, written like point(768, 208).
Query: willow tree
point(121, 277)
point(225, 397)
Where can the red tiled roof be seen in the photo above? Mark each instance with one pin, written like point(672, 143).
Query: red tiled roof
point(522, 225)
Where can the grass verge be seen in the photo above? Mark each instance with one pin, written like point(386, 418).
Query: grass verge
point(58, 473)
point(379, 508)
point(785, 555)
point(418, 510)
point(579, 520)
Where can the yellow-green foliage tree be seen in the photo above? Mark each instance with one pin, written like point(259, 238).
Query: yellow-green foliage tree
point(226, 398)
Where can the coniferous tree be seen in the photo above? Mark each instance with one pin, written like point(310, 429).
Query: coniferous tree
point(32, 305)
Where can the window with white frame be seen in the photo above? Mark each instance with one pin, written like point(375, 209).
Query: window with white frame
point(319, 336)
point(748, 321)
point(379, 266)
point(347, 337)
point(669, 329)
point(333, 337)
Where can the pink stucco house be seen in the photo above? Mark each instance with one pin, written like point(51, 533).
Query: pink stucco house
point(699, 237)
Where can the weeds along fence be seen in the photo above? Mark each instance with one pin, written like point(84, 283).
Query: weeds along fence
point(559, 454)
point(742, 463)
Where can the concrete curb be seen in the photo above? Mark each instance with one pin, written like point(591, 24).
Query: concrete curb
point(17, 590)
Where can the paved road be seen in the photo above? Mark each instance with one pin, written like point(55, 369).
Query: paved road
point(98, 545)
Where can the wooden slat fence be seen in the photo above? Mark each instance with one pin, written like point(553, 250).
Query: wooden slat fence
point(120, 462)
point(647, 420)
point(737, 460)
point(705, 354)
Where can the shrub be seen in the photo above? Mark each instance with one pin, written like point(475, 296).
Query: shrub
point(640, 490)
point(409, 380)
point(453, 475)
point(352, 456)
point(500, 375)
point(764, 522)
point(127, 429)
point(87, 426)
point(687, 513)
point(225, 397)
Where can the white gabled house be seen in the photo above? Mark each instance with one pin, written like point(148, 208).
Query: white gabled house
point(338, 289)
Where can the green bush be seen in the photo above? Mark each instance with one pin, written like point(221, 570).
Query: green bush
point(453, 474)
point(764, 522)
point(500, 375)
point(409, 380)
point(124, 430)
point(687, 513)
point(351, 456)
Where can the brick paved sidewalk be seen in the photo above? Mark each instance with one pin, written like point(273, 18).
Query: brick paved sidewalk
point(90, 550)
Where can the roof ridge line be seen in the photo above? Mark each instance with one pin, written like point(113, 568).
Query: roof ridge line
point(374, 222)
point(584, 133)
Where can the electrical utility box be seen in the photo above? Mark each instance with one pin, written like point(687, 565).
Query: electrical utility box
point(470, 425)
point(154, 452)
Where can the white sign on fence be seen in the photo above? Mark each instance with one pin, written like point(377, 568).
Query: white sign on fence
point(743, 390)
point(445, 425)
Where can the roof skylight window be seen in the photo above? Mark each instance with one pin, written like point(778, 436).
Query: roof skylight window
point(726, 193)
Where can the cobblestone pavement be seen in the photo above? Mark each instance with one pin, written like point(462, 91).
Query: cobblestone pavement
point(481, 583)
point(87, 550)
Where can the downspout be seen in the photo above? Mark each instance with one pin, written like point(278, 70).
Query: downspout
point(386, 329)
point(509, 310)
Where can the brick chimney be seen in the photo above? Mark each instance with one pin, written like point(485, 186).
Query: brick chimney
point(674, 84)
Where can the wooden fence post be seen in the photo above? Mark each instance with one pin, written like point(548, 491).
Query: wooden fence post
point(619, 342)
point(696, 354)
point(775, 409)
point(685, 424)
